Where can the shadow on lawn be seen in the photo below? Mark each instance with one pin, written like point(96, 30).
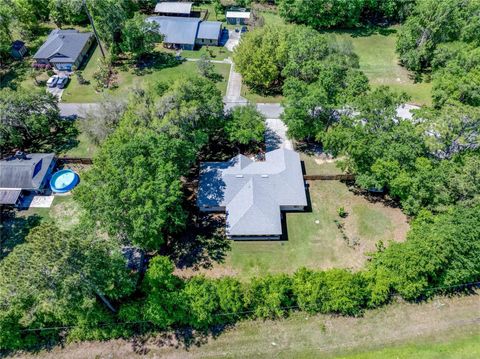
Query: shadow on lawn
point(364, 31)
point(13, 229)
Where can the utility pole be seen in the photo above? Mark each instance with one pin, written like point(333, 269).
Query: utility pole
point(93, 27)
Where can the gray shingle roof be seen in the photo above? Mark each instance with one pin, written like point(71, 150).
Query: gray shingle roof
point(19, 173)
point(177, 30)
point(174, 7)
point(253, 192)
point(9, 196)
point(63, 45)
point(209, 30)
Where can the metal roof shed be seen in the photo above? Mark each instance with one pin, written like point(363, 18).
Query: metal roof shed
point(177, 30)
point(209, 30)
point(167, 7)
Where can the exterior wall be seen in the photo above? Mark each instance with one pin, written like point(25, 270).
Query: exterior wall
point(172, 14)
point(235, 21)
point(292, 208)
point(273, 237)
point(212, 209)
point(206, 42)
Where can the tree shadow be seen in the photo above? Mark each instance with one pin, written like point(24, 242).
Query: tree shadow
point(364, 31)
point(155, 61)
point(181, 338)
point(13, 229)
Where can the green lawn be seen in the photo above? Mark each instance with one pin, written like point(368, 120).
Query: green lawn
point(77, 93)
point(314, 168)
point(64, 212)
point(213, 52)
point(379, 62)
point(85, 148)
point(314, 239)
point(464, 346)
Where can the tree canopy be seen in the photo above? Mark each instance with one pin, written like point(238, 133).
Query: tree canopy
point(245, 125)
point(55, 278)
point(134, 188)
point(30, 121)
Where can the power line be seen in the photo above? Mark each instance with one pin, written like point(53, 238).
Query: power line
point(222, 314)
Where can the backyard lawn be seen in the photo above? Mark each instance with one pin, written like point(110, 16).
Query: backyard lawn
point(314, 239)
point(77, 93)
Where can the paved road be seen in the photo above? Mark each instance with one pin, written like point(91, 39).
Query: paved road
point(75, 109)
point(270, 110)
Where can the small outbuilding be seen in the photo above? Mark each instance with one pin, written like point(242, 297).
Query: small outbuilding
point(24, 173)
point(237, 17)
point(18, 49)
point(167, 8)
point(209, 33)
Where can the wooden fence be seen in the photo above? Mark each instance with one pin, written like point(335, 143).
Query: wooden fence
point(342, 177)
point(76, 160)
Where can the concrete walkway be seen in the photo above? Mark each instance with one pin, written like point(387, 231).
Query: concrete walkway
point(234, 90)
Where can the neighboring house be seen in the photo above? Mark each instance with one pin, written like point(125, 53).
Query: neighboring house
point(167, 8)
point(185, 32)
point(24, 173)
point(18, 49)
point(64, 49)
point(253, 193)
point(237, 17)
point(209, 33)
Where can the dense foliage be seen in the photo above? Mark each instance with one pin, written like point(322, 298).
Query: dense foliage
point(432, 23)
point(341, 13)
point(134, 188)
point(423, 158)
point(245, 125)
point(58, 277)
point(31, 122)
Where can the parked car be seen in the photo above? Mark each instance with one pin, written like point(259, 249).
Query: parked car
point(52, 81)
point(244, 29)
point(62, 82)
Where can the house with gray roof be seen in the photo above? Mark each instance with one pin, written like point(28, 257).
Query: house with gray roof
point(170, 8)
point(253, 194)
point(185, 32)
point(24, 173)
point(64, 49)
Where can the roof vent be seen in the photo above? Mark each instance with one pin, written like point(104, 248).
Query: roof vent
point(264, 176)
point(239, 176)
point(19, 155)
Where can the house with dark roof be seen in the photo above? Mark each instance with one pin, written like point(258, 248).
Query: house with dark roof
point(64, 49)
point(18, 49)
point(24, 173)
point(168, 8)
point(253, 194)
point(185, 32)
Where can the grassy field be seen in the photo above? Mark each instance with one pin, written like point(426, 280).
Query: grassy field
point(379, 62)
point(441, 328)
point(314, 240)
point(213, 52)
point(376, 51)
point(85, 148)
point(77, 93)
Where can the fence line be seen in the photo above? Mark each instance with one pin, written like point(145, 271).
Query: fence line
point(341, 177)
point(77, 160)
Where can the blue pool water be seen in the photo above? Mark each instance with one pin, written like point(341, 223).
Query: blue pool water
point(64, 181)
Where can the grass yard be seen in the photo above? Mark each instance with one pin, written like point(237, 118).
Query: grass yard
point(317, 166)
point(314, 240)
point(257, 98)
point(441, 328)
point(379, 62)
point(85, 148)
point(77, 93)
point(213, 52)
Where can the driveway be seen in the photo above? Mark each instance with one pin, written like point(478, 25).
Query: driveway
point(276, 135)
point(75, 109)
point(55, 91)
point(233, 40)
point(270, 110)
